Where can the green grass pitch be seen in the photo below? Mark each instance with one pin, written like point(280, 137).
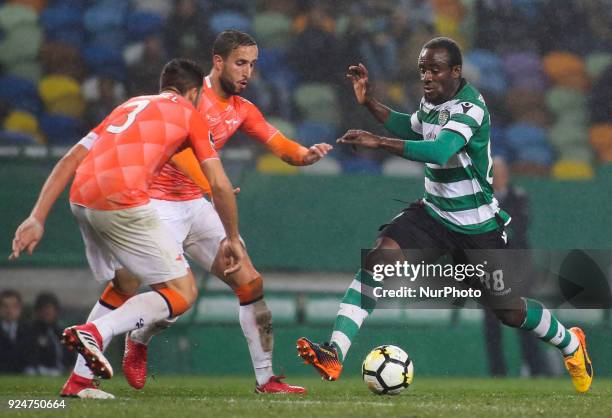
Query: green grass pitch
point(173, 396)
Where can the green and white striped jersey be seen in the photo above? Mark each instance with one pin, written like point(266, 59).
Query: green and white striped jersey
point(460, 193)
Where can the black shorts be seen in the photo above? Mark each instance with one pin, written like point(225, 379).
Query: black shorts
point(414, 228)
point(424, 239)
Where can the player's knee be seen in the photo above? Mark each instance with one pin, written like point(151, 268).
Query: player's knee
point(191, 293)
point(373, 257)
point(510, 317)
point(113, 297)
point(178, 301)
point(379, 256)
point(386, 251)
point(250, 292)
point(125, 282)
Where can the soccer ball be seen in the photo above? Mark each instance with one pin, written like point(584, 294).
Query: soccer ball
point(387, 370)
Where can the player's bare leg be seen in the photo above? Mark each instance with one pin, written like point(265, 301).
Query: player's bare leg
point(81, 382)
point(169, 299)
point(137, 341)
point(532, 316)
point(256, 322)
point(358, 302)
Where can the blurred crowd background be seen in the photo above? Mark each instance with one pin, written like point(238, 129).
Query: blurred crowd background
point(543, 66)
point(29, 336)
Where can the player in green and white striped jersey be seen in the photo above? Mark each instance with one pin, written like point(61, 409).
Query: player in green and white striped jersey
point(450, 134)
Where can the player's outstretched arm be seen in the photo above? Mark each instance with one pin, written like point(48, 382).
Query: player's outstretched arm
point(187, 163)
point(295, 154)
point(30, 232)
point(224, 199)
point(396, 122)
point(358, 74)
point(357, 137)
point(447, 144)
point(316, 153)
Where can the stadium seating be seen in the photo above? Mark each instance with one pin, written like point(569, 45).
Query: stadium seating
point(317, 102)
point(55, 87)
point(361, 165)
point(309, 133)
point(400, 167)
point(158, 7)
point(328, 166)
point(286, 127)
point(490, 64)
point(104, 59)
point(229, 20)
point(272, 29)
point(567, 70)
point(550, 94)
point(62, 58)
point(60, 129)
point(142, 24)
point(14, 16)
point(21, 93)
point(12, 138)
point(63, 24)
point(596, 63)
point(24, 123)
point(529, 143)
point(22, 35)
point(524, 70)
point(270, 164)
point(572, 170)
point(600, 137)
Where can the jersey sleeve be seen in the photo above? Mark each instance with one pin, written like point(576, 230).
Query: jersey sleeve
point(201, 138)
point(465, 119)
point(255, 124)
point(88, 140)
point(287, 150)
point(438, 152)
point(404, 125)
point(187, 162)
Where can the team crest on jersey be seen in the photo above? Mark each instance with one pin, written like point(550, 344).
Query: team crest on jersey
point(443, 117)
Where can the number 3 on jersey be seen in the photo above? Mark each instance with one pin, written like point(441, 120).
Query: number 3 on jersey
point(139, 106)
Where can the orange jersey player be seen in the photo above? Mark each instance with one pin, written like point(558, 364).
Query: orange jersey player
point(180, 203)
point(126, 243)
point(122, 162)
point(225, 116)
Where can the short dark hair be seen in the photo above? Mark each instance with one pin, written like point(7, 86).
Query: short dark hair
point(10, 293)
point(181, 74)
point(44, 299)
point(454, 52)
point(228, 40)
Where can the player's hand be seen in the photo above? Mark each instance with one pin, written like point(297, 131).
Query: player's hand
point(233, 253)
point(316, 152)
point(27, 237)
point(362, 138)
point(358, 74)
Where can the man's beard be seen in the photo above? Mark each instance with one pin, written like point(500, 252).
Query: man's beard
point(227, 86)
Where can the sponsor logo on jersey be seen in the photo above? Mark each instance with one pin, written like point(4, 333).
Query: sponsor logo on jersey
point(466, 106)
